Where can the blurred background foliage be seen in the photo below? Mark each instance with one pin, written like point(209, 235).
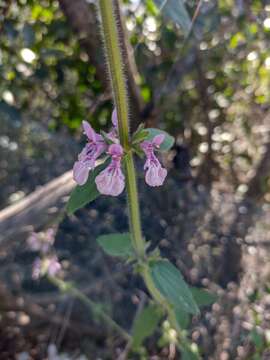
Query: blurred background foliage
point(206, 87)
point(45, 75)
point(201, 72)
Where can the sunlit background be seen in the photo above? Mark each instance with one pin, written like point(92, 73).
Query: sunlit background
point(203, 75)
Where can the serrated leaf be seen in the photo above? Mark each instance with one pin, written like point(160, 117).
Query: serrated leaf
point(177, 12)
point(203, 297)
point(168, 140)
point(170, 282)
point(145, 324)
point(82, 195)
point(116, 244)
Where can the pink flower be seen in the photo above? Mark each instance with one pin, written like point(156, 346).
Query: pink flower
point(33, 242)
point(37, 269)
point(50, 236)
point(42, 241)
point(111, 181)
point(48, 265)
point(88, 156)
point(155, 174)
point(53, 266)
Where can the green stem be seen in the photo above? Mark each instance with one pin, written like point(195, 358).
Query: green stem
point(133, 205)
point(69, 288)
point(116, 69)
point(151, 287)
point(115, 63)
point(116, 66)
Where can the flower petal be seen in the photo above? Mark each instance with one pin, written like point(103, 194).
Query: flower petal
point(155, 175)
point(53, 266)
point(80, 172)
point(115, 118)
point(118, 184)
point(89, 131)
point(158, 140)
point(115, 150)
point(145, 145)
point(110, 181)
point(36, 271)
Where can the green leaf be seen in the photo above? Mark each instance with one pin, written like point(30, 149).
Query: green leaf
point(139, 135)
point(151, 7)
point(145, 324)
point(170, 282)
point(177, 12)
point(138, 151)
point(82, 195)
point(188, 354)
point(116, 244)
point(168, 140)
point(257, 339)
point(203, 297)
point(182, 318)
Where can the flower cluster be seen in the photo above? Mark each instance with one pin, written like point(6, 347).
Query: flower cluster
point(42, 241)
point(155, 174)
point(46, 266)
point(48, 262)
point(111, 181)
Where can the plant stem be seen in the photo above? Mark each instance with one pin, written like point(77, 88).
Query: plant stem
point(133, 205)
point(116, 69)
point(116, 65)
point(69, 288)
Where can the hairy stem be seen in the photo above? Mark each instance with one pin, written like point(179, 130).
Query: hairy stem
point(133, 206)
point(116, 69)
